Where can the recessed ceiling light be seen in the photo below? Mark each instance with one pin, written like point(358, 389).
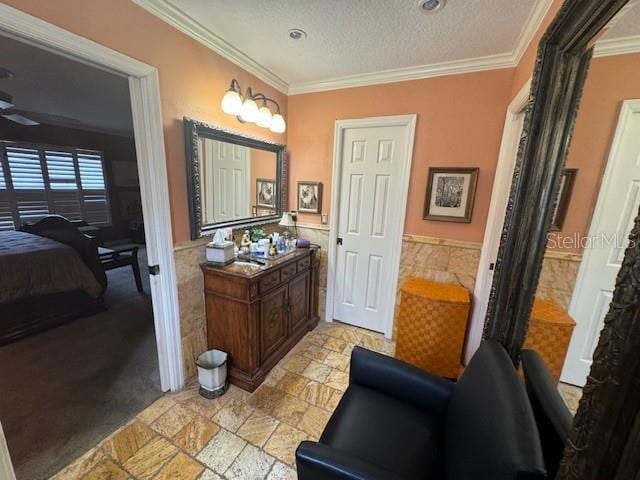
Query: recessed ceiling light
point(297, 34)
point(431, 5)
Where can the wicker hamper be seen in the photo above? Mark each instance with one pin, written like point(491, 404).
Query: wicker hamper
point(431, 325)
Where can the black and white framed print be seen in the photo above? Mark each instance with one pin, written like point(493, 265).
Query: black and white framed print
point(310, 197)
point(450, 194)
point(266, 193)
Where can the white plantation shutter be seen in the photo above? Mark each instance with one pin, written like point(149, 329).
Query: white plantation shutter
point(29, 193)
point(63, 184)
point(6, 217)
point(94, 193)
point(41, 180)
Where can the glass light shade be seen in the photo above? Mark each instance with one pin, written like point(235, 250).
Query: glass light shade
point(249, 112)
point(287, 220)
point(232, 102)
point(277, 124)
point(264, 117)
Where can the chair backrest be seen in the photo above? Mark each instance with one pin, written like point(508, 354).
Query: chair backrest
point(551, 413)
point(490, 431)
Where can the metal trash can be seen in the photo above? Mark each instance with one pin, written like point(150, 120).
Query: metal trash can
point(212, 373)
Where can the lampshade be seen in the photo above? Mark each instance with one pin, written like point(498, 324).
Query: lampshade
point(277, 124)
point(264, 117)
point(249, 112)
point(287, 220)
point(232, 102)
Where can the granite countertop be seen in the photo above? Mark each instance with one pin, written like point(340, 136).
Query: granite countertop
point(246, 268)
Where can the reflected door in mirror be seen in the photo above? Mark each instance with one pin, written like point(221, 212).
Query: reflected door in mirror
point(225, 171)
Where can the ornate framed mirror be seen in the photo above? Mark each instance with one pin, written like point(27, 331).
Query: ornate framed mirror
point(603, 442)
point(232, 180)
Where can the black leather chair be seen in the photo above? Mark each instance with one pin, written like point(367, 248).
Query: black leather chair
point(551, 413)
point(396, 422)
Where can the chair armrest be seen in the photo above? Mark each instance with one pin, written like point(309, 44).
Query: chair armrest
point(316, 461)
point(399, 379)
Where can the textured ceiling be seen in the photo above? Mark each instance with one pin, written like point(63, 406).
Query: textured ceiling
point(44, 82)
point(627, 24)
point(348, 37)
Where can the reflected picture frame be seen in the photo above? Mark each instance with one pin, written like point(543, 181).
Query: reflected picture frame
point(266, 193)
point(567, 180)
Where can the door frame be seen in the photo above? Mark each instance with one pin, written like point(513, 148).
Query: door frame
point(495, 220)
point(144, 89)
point(628, 107)
point(395, 240)
point(6, 467)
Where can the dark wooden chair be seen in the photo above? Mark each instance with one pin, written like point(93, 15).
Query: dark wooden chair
point(121, 257)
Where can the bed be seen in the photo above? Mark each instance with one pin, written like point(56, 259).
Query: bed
point(50, 273)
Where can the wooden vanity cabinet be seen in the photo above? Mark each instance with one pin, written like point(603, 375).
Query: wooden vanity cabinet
point(257, 316)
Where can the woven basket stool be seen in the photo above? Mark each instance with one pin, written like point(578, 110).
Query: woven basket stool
point(431, 325)
point(549, 333)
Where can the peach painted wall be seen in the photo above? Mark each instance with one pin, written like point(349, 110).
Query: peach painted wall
point(192, 77)
point(460, 122)
point(610, 81)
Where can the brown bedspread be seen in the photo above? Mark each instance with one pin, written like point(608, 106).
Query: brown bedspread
point(31, 266)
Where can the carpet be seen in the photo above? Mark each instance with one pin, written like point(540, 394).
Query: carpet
point(64, 390)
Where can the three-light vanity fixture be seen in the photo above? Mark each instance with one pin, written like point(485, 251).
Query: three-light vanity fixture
point(247, 110)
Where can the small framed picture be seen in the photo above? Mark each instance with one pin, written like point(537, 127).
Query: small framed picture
point(450, 194)
point(310, 197)
point(265, 193)
point(567, 179)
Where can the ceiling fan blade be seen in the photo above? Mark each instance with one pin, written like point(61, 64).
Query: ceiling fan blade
point(14, 117)
point(6, 100)
point(46, 117)
point(5, 73)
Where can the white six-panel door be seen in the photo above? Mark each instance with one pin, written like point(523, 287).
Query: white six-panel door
point(374, 161)
point(613, 217)
point(227, 170)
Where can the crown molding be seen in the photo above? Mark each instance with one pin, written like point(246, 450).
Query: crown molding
point(175, 17)
point(534, 21)
point(617, 46)
point(490, 62)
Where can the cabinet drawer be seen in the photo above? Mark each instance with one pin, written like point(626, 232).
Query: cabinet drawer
point(269, 281)
point(304, 264)
point(288, 271)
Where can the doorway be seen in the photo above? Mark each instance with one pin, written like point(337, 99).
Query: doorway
point(144, 93)
point(371, 166)
point(615, 210)
point(495, 220)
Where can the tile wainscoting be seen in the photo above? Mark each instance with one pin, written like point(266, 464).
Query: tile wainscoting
point(435, 259)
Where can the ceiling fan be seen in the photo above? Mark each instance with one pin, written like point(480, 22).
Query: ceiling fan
point(24, 117)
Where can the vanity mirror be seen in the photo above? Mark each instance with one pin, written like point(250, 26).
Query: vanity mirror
point(232, 180)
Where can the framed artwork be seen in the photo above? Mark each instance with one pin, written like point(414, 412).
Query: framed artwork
point(266, 193)
point(310, 197)
point(567, 179)
point(450, 194)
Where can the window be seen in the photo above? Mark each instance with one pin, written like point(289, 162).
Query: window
point(39, 180)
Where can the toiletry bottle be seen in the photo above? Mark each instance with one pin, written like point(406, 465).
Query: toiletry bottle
point(272, 247)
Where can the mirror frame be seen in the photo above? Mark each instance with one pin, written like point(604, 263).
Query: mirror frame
point(194, 129)
point(604, 438)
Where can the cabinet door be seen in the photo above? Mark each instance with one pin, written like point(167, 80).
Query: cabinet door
point(273, 321)
point(298, 301)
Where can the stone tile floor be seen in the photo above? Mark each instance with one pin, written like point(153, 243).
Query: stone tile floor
point(183, 436)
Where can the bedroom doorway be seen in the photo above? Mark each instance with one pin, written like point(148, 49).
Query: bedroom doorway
point(151, 236)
